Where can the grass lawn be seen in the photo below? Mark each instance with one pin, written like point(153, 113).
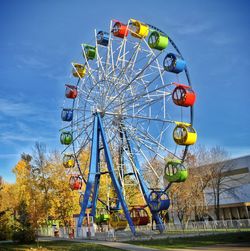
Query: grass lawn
point(55, 245)
point(215, 231)
point(196, 241)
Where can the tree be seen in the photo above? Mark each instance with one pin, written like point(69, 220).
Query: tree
point(1, 183)
point(7, 202)
point(51, 179)
point(218, 169)
point(27, 189)
point(188, 198)
point(41, 192)
point(208, 181)
point(65, 202)
point(24, 232)
point(41, 182)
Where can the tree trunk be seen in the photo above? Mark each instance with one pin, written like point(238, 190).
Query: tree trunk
point(218, 201)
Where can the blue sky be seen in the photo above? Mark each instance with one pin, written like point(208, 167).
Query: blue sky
point(39, 40)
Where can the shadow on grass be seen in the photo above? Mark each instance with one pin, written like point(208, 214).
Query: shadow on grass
point(197, 241)
point(55, 245)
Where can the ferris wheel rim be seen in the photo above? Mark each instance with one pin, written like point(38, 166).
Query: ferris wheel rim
point(104, 76)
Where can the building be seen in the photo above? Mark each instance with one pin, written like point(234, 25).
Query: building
point(235, 193)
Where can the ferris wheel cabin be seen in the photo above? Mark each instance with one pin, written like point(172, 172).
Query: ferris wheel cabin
point(139, 216)
point(138, 29)
point(71, 91)
point(67, 114)
point(78, 70)
point(102, 216)
point(120, 30)
point(184, 134)
point(66, 138)
point(75, 182)
point(158, 201)
point(174, 63)
point(183, 95)
point(157, 41)
point(68, 160)
point(89, 51)
point(175, 171)
point(102, 38)
point(118, 220)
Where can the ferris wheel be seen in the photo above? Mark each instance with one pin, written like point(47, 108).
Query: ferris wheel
point(130, 103)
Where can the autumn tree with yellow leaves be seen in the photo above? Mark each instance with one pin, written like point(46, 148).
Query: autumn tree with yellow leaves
point(41, 192)
point(7, 205)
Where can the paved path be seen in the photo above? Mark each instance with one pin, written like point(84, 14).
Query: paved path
point(226, 247)
point(221, 247)
point(124, 246)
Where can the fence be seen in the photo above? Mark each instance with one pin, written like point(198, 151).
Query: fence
point(172, 229)
point(64, 232)
point(212, 226)
point(201, 227)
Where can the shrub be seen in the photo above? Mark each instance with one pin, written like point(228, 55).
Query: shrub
point(3, 236)
point(24, 236)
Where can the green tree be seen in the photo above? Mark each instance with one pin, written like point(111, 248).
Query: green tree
point(24, 231)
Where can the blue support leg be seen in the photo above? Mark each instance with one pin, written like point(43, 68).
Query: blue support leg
point(96, 191)
point(97, 176)
point(113, 176)
point(91, 176)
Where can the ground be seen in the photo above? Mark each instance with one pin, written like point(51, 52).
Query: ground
point(221, 242)
point(197, 241)
point(55, 245)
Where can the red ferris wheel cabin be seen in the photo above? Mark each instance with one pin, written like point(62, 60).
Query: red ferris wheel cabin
point(71, 91)
point(183, 95)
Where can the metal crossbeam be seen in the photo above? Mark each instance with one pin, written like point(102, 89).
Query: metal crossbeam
point(94, 175)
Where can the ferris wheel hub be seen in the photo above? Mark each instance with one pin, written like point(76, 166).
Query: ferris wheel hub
point(99, 110)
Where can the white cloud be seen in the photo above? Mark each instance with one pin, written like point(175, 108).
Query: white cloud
point(9, 155)
point(22, 137)
point(221, 39)
point(14, 137)
point(16, 108)
point(23, 123)
point(31, 62)
point(193, 28)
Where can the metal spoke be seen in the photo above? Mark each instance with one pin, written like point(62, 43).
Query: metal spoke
point(127, 88)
